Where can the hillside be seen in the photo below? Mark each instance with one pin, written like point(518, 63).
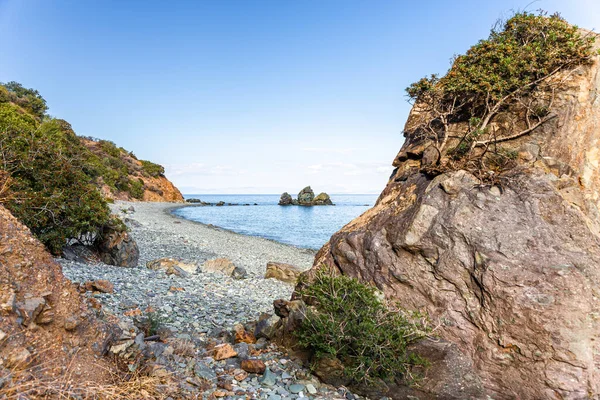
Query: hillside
point(58, 183)
point(123, 177)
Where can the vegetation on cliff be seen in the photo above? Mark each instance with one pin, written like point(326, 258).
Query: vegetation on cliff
point(349, 322)
point(503, 88)
point(50, 177)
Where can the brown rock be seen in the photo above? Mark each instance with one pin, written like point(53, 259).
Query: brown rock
point(18, 358)
point(100, 285)
point(71, 323)
point(118, 248)
point(331, 371)
point(240, 375)
point(283, 272)
point(509, 275)
point(242, 335)
point(221, 265)
point(223, 351)
point(166, 263)
point(253, 366)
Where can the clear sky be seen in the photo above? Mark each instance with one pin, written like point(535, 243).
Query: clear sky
point(247, 96)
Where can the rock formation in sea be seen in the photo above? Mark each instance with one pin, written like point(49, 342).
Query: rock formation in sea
point(505, 259)
point(306, 197)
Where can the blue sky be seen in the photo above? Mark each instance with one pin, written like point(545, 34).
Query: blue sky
point(247, 96)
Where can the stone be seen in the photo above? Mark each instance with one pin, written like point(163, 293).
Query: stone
point(266, 326)
point(219, 265)
point(239, 273)
point(296, 388)
point(331, 371)
point(310, 388)
point(71, 323)
point(306, 196)
point(268, 378)
point(240, 375)
point(99, 285)
point(177, 271)
point(242, 335)
point(31, 309)
point(322, 199)
point(253, 366)
point(2, 335)
point(282, 272)
point(242, 350)
point(286, 199)
point(118, 248)
point(167, 262)
point(223, 351)
point(509, 279)
point(18, 358)
point(205, 372)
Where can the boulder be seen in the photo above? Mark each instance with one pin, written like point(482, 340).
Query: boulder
point(508, 274)
point(223, 351)
point(286, 199)
point(166, 263)
point(118, 248)
point(254, 366)
point(322, 199)
point(220, 265)
point(283, 272)
point(306, 196)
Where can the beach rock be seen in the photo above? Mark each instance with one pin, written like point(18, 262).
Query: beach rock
point(282, 272)
point(166, 263)
point(223, 351)
point(177, 271)
point(306, 196)
point(266, 326)
point(508, 276)
point(239, 273)
point(242, 335)
point(220, 265)
point(118, 248)
point(99, 285)
point(254, 366)
point(79, 253)
point(322, 199)
point(220, 204)
point(286, 199)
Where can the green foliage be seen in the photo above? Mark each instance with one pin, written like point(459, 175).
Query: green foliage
point(29, 99)
point(152, 169)
point(51, 193)
point(352, 324)
point(528, 48)
point(514, 71)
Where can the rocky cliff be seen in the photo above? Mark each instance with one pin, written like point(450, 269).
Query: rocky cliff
point(47, 332)
point(139, 181)
point(507, 267)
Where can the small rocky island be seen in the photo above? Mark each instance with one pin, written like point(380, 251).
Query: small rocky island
point(306, 197)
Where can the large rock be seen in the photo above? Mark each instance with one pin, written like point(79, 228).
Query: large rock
point(322, 199)
point(286, 199)
point(170, 263)
point(118, 248)
point(509, 275)
point(306, 197)
point(221, 265)
point(283, 272)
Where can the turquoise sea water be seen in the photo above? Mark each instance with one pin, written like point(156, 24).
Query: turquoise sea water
point(306, 227)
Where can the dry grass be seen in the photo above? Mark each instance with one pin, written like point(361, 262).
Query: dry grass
point(183, 347)
point(26, 384)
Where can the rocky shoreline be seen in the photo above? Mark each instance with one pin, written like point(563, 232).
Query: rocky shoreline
point(198, 309)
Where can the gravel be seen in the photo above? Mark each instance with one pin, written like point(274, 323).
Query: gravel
point(201, 301)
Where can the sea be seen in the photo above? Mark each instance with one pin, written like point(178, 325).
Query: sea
point(304, 227)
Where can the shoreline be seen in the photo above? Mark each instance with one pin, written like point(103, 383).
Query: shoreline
point(170, 211)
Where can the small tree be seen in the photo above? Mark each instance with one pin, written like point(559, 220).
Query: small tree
point(518, 69)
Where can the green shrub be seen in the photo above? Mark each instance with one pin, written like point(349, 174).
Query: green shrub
point(50, 193)
point(29, 99)
point(152, 169)
point(352, 324)
point(110, 148)
point(515, 70)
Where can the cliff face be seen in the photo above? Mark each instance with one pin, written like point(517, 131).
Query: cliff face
point(47, 331)
point(152, 185)
point(510, 273)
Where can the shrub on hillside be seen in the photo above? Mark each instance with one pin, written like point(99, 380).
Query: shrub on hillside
point(50, 192)
point(29, 99)
point(502, 88)
point(350, 322)
point(152, 169)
